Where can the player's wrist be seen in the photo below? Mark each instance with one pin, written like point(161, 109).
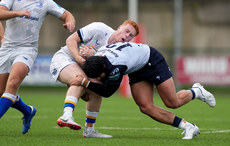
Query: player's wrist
point(85, 82)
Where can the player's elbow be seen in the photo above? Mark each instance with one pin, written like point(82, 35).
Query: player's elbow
point(106, 95)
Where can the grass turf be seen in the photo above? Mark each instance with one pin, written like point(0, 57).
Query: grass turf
point(118, 117)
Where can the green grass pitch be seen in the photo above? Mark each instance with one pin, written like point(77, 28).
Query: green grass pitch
point(119, 117)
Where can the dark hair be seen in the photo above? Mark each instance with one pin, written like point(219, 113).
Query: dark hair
point(94, 66)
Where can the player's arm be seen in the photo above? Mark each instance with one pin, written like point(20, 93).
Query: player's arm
point(72, 43)
point(1, 33)
point(106, 90)
point(110, 84)
point(69, 20)
point(6, 14)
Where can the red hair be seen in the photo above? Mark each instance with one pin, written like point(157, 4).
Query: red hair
point(134, 24)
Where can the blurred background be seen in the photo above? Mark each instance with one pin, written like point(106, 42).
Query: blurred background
point(193, 35)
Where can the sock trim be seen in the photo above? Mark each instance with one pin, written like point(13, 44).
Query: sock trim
point(176, 121)
point(71, 102)
point(9, 96)
point(87, 116)
point(193, 93)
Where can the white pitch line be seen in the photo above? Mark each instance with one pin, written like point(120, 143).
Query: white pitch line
point(205, 131)
point(124, 128)
point(217, 131)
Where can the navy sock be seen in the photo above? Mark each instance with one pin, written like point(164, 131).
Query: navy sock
point(176, 121)
point(5, 104)
point(21, 106)
point(193, 94)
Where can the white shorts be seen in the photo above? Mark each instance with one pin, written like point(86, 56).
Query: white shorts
point(9, 56)
point(60, 60)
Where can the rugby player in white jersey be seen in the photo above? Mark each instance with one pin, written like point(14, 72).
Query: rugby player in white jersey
point(66, 64)
point(146, 68)
point(24, 19)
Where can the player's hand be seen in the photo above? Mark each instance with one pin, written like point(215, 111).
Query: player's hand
point(80, 60)
point(23, 13)
point(77, 81)
point(69, 26)
point(86, 51)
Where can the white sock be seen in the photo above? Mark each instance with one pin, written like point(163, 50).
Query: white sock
point(89, 128)
point(184, 124)
point(197, 92)
point(68, 112)
point(91, 115)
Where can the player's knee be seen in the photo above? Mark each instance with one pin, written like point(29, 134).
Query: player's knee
point(13, 84)
point(172, 105)
point(144, 108)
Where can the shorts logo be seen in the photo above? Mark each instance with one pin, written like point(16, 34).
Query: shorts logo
point(25, 58)
point(54, 72)
point(158, 77)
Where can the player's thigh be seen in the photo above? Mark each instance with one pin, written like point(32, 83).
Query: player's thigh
point(18, 71)
point(3, 80)
point(142, 92)
point(68, 74)
point(17, 74)
point(167, 91)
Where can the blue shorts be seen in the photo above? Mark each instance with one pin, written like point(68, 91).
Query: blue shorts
point(156, 70)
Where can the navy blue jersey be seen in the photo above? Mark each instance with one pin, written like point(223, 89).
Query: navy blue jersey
point(130, 58)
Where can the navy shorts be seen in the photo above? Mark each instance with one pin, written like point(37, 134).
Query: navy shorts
point(156, 70)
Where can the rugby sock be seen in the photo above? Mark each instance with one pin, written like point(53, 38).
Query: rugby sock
point(176, 121)
point(197, 92)
point(90, 118)
point(70, 103)
point(184, 124)
point(21, 106)
point(193, 94)
point(6, 101)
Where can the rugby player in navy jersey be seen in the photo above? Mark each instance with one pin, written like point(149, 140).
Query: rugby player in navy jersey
point(146, 68)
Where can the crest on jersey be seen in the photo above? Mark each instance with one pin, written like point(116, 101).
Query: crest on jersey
point(39, 4)
point(97, 42)
point(114, 75)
